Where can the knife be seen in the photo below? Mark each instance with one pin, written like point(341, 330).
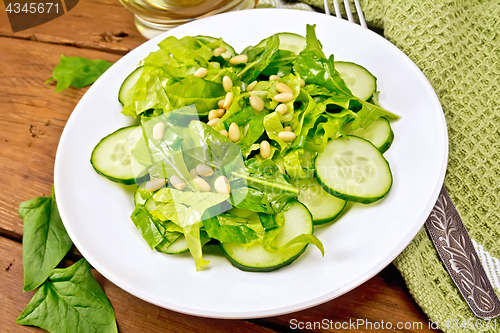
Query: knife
point(454, 245)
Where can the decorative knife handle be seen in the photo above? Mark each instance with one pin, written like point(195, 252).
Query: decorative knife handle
point(453, 243)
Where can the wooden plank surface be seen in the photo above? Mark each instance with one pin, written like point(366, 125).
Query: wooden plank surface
point(32, 118)
point(132, 314)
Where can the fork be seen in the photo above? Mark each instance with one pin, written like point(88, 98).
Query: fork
point(448, 233)
point(347, 6)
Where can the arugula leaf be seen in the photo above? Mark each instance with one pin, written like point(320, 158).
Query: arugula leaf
point(259, 58)
point(313, 66)
point(45, 241)
point(70, 301)
point(77, 71)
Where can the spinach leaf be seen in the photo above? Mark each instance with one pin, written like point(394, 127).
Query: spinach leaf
point(77, 71)
point(45, 241)
point(254, 132)
point(70, 301)
point(261, 187)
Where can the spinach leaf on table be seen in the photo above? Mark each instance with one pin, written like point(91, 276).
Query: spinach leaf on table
point(45, 241)
point(77, 71)
point(70, 301)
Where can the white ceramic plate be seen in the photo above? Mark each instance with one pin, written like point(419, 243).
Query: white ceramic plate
point(96, 211)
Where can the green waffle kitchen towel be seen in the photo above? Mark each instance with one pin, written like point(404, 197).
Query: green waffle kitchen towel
point(456, 44)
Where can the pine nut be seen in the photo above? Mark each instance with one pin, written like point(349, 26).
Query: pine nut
point(225, 133)
point(228, 100)
point(287, 136)
point(251, 86)
point(218, 51)
point(193, 173)
point(287, 128)
point(280, 168)
point(274, 78)
point(216, 113)
point(213, 122)
point(221, 185)
point(282, 108)
point(265, 149)
point(204, 170)
point(257, 103)
point(177, 183)
point(201, 72)
point(227, 83)
point(283, 87)
point(284, 97)
point(155, 184)
point(220, 104)
point(302, 83)
point(239, 59)
point(158, 131)
point(202, 184)
point(234, 132)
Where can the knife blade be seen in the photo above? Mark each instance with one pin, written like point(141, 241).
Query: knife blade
point(454, 245)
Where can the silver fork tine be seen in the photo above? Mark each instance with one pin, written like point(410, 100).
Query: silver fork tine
point(361, 16)
point(327, 9)
point(337, 9)
point(350, 18)
point(348, 11)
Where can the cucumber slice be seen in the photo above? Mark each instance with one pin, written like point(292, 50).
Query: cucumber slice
point(379, 133)
point(207, 40)
point(353, 169)
point(288, 42)
point(298, 221)
point(129, 83)
point(179, 246)
point(358, 79)
point(112, 159)
point(323, 206)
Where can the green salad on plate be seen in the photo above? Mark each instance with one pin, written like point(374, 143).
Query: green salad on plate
point(246, 150)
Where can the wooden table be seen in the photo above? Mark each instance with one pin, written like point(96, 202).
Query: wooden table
point(32, 117)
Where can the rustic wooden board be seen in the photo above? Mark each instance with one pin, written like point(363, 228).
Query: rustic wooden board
point(31, 121)
point(132, 314)
point(93, 24)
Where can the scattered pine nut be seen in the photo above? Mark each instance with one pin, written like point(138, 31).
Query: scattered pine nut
point(287, 136)
point(234, 132)
point(265, 149)
point(282, 108)
point(220, 104)
point(221, 185)
point(287, 128)
point(302, 83)
point(224, 132)
point(213, 122)
point(155, 184)
point(257, 103)
point(177, 182)
point(202, 184)
point(201, 72)
point(204, 170)
point(283, 87)
point(239, 59)
point(158, 131)
point(228, 100)
point(193, 173)
point(251, 86)
point(227, 83)
point(219, 51)
point(284, 97)
point(216, 113)
point(274, 78)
